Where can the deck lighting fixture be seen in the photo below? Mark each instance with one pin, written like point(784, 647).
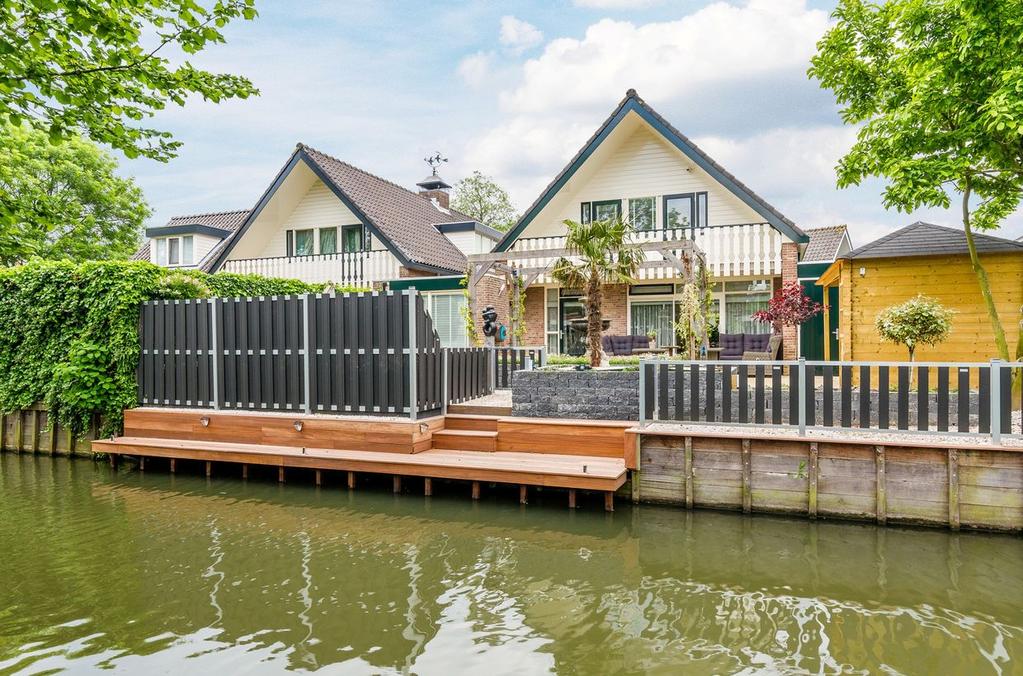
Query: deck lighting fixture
point(298, 425)
point(205, 421)
point(584, 469)
point(863, 272)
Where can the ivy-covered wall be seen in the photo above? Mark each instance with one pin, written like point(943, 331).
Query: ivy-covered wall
point(69, 332)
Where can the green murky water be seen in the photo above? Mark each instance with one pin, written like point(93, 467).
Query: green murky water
point(149, 573)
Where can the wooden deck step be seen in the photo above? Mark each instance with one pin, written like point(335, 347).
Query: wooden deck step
point(485, 423)
point(469, 408)
point(466, 440)
point(562, 471)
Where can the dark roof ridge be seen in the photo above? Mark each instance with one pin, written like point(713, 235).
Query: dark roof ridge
point(210, 213)
point(308, 148)
point(877, 247)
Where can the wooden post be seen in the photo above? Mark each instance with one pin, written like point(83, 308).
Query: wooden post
point(70, 442)
point(280, 474)
point(953, 488)
point(747, 472)
point(173, 465)
point(475, 490)
point(209, 469)
point(113, 460)
point(52, 424)
point(351, 480)
point(36, 417)
point(571, 498)
point(428, 485)
point(3, 431)
point(523, 494)
point(19, 431)
point(245, 471)
point(142, 464)
point(812, 477)
point(397, 484)
point(687, 471)
point(882, 500)
point(609, 501)
point(319, 478)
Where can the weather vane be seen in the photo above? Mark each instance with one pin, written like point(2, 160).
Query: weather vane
point(435, 161)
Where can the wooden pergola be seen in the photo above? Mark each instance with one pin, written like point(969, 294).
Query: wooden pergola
point(679, 254)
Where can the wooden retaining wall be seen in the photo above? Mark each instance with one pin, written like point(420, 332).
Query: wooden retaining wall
point(29, 431)
point(904, 483)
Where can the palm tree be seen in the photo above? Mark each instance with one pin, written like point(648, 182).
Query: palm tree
point(600, 254)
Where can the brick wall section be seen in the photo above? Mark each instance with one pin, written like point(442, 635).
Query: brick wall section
point(404, 272)
point(534, 317)
point(615, 308)
point(488, 292)
point(789, 262)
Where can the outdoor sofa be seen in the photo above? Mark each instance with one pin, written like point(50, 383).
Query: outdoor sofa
point(749, 346)
point(622, 346)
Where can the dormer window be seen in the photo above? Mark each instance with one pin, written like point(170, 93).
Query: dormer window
point(175, 251)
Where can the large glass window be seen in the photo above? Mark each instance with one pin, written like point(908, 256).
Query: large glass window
point(641, 213)
point(608, 210)
point(328, 240)
point(187, 250)
point(446, 311)
point(301, 242)
point(173, 251)
point(685, 211)
point(161, 251)
point(351, 238)
point(742, 299)
point(655, 317)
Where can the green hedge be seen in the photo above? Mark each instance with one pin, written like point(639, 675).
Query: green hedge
point(69, 332)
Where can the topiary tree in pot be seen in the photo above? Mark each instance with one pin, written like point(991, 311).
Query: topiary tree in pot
point(918, 321)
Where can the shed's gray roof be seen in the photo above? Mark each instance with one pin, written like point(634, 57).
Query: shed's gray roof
point(824, 244)
point(928, 239)
point(228, 221)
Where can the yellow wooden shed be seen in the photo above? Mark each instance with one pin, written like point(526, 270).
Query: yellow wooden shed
point(928, 259)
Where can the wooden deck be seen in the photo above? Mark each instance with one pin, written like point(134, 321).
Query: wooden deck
point(572, 455)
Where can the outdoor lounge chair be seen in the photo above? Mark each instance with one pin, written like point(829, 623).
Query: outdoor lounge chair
point(749, 346)
point(622, 346)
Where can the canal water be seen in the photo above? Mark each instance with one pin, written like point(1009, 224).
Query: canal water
point(154, 573)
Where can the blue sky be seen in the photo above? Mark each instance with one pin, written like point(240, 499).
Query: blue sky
point(514, 89)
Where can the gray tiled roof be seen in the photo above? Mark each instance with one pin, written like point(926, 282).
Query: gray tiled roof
point(402, 216)
point(927, 239)
point(229, 221)
point(824, 244)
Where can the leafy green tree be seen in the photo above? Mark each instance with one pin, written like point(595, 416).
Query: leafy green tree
point(600, 254)
point(918, 321)
point(64, 200)
point(936, 87)
point(482, 198)
point(100, 67)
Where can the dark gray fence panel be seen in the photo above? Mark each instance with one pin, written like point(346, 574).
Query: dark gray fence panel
point(468, 373)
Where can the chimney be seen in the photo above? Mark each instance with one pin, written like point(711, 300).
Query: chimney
point(434, 187)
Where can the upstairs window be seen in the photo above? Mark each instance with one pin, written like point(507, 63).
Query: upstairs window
point(175, 250)
point(328, 240)
point(688, 210)
point(300, 242)
point(641, 213)
point(351, 238)
point(603, 210)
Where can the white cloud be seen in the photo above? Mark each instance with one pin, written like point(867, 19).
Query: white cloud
point(475, 68)
point(519, 35)
point(615, 4)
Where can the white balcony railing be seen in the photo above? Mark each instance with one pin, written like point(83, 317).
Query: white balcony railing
point(360, 268)
point(750, 249)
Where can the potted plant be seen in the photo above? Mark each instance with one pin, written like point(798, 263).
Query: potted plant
point(652, 337)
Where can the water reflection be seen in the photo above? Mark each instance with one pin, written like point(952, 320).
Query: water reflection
point(142, 572)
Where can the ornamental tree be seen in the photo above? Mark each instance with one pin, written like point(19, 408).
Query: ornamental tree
point(934, 87)
point(920, 320)
point(790, 306)
point(482, 198)
point(64, 200)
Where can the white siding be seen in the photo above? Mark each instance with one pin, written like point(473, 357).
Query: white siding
point(319, 208)
point(470, 242)
point(641, 164)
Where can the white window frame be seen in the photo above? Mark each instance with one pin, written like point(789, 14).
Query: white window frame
point(430, 298)
point(163, 246)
